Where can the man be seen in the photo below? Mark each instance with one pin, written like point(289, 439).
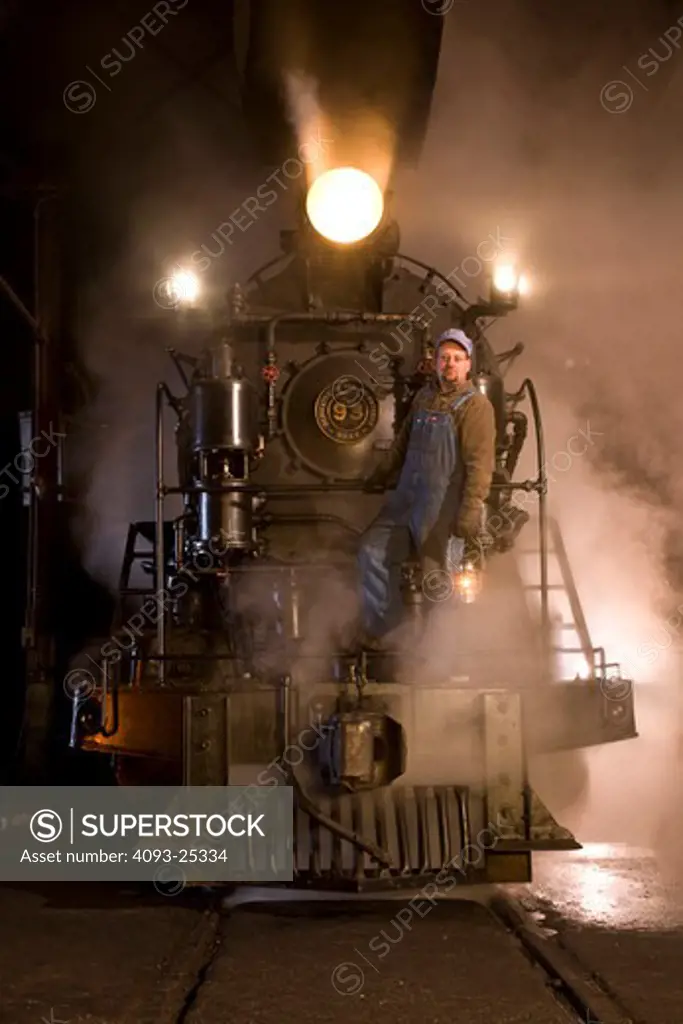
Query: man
point(445, 452)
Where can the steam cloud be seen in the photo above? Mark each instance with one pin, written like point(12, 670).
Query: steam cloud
point(591, 198)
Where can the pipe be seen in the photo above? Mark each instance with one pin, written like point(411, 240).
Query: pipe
point(285, 711)
point(383, 857)
point(294, 606)
point(284, 489)
point(287, 490)
point(326, 318)
point(335, 318)
point(159, 530)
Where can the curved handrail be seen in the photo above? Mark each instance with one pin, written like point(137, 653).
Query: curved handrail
point(431, 271)
point(266, 266)
point(540, 485)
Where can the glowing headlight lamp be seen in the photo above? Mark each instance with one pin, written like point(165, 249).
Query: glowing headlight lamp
point(178, 290)
point(185, 287)
point(345, 205)
point(508, 284)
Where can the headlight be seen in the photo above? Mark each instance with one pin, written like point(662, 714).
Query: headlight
point(345, 205)
point(506, 279)
point(185, 286)
point(180, 289)
point(508, 284)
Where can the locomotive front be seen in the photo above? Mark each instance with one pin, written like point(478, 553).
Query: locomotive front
point(230, 661)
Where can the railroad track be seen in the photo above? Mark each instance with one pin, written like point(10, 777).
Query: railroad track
point(580, 990)
point(206, 958)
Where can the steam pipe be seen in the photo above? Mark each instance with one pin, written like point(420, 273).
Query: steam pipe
point(327, 318)
point(159, 552)
point(283, 490)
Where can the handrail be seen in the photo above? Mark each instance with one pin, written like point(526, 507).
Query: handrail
point(255, 276)
point(160, 556)
point(433, 272)
point(540, 485)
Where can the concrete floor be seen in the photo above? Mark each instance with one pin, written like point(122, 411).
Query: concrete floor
point(616, 909)
point(106, 955)
point(117, 961)
point(96, 954)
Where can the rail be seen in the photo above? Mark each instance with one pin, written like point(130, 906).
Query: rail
point(431, 272)
point(159, 540)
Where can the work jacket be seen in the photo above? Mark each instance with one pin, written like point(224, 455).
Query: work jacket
point(474, 425)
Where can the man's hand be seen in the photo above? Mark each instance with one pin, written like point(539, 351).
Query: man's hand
point(468, 527)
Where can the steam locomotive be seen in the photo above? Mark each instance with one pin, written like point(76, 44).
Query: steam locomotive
point(228, 645)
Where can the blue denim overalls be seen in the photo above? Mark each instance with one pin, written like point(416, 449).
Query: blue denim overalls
point(423, 506)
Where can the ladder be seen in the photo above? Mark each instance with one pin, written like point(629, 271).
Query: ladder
point(574, 655)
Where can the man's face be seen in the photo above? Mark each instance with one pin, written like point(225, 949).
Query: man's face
point(453, 364)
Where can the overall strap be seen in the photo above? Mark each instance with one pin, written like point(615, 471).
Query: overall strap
point(461, 399)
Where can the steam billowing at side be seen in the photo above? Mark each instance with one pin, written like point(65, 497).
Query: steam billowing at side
point(589, 198)
point(538, 135)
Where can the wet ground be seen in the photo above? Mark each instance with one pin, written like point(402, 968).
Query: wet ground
point(622, 915)
point(106, 955)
